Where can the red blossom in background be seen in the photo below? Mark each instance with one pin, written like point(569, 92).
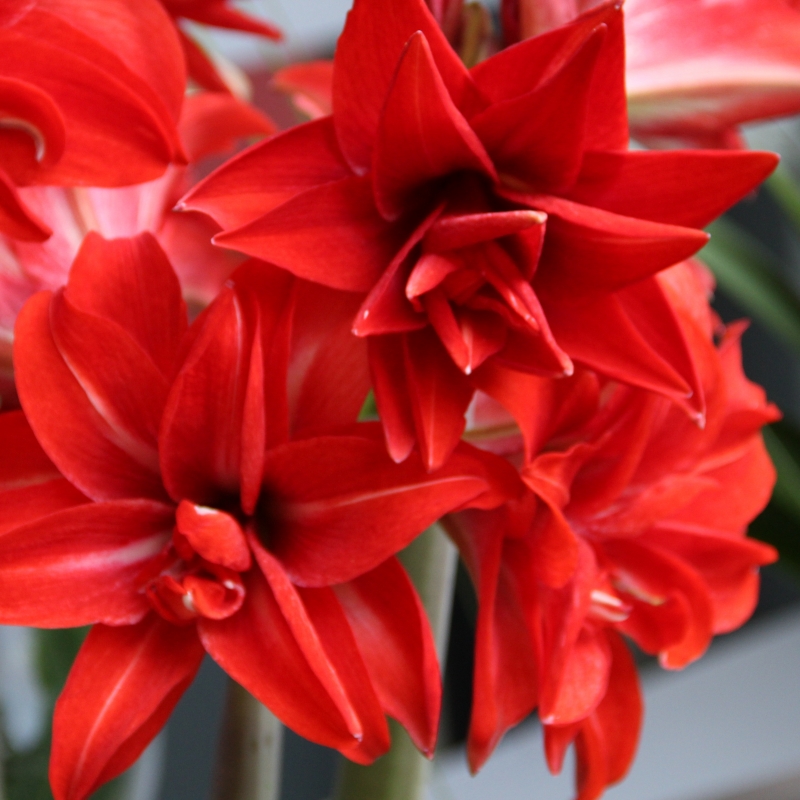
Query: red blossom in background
point(204, 487)
point(211, 124)
point(90, 95)
point(491, 215)
point(634, 522)
point(217, 14)
point(695, 70)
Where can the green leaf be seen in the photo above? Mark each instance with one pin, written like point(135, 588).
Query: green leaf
point(784, 189)
point(779, 524)
point(746, 271)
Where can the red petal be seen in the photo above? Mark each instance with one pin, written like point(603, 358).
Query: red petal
point(505, 682)
point(131, 282)
point(344, 506)
point(439, 395)
point(621, 710)
point(329, 371)
point(331, 234)
point(387, 309)
point(101, 548)
point(269, 174)
point(387, 368)
point(700, 82)
point(600, 334)
point(200, 438)
point(137, 139)
point(583, 680)
point(87, 450)
point(694, 187)
point(217, 14)
point(421, 134)
point(214, 535)
point(310, 85)
point(16, 219)
point(396, 643)
point(212, 122)
point(538, 137)
point(258, 649)
point(542, 407)
point(342, 650)
point(322, 632)
point(587, 249)
point(118, 377)
point(653, 571)
point(33, 128)
point(366, 58)
point(453, 232)
point(120, 691)
point(30, 485)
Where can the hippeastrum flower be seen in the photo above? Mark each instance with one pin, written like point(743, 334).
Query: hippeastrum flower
point(185, 492)
point(694, 70)
point(485, 215)
point(634, 522)
point(211, 122)
point(217, 14)
point(90, 95)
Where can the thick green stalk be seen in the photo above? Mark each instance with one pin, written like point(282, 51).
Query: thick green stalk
point(403, 774)
point(251, 746)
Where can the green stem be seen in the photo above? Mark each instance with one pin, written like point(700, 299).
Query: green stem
point(403, 773)
point(249, 765)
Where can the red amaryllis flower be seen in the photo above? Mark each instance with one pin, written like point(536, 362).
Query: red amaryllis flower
point(197, 500)
point(211, 123)
point(90, 94)
point(487, 215)
point(694, 70)
point(217, 14)
point(634, 522)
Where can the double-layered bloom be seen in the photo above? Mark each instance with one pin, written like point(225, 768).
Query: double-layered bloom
point(491, 215)
point(191, 490)
point(695, 70)
point(90, 95)
point(633, 522)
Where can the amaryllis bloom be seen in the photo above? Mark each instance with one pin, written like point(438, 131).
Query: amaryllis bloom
point(90, 95)
point(695, 70)
point(185, 490)
point(491, 215)
point(211, 123)
point(633, 523)
point(217, 14)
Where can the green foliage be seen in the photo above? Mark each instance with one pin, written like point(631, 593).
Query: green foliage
point(747, 272)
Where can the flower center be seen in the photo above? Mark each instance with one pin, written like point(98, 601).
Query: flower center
point(198, 573)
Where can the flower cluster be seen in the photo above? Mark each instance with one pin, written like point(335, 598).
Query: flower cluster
point(186, 462)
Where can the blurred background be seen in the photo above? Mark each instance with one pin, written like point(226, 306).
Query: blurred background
point(726, 728)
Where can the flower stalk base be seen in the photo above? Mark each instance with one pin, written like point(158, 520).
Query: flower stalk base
point(403, 773)
point(251, 748)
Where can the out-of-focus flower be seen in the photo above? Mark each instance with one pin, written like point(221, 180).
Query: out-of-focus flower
point(196, 496)
point(491, 214)
point(90, 95)
point(695, 70)
point(211, 124)
point(216, 14)
point(634, 522)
